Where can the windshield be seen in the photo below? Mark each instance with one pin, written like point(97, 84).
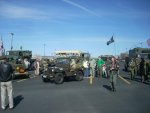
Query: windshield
point(64, 61)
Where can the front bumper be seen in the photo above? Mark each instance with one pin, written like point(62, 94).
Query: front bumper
point(50, 77)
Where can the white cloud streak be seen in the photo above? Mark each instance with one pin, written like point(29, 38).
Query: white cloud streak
point(54, 14)
point(13, 11)
point(80, 7)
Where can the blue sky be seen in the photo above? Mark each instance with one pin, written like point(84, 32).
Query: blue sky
point(75, 25)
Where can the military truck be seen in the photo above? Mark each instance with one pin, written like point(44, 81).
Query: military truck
point(16, 58)
point(61, 69)
point(72, 53)
point(142, 52)
point(138, 53)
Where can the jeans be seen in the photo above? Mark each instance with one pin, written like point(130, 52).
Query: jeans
point(113, 79)
point(92, 71)
point(86, 72)
point(36, 71)
point(104, 73)
point(6, 89)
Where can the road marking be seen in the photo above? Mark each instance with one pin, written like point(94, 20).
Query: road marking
point(33, 77)
point(124, 79)
point(22, 80)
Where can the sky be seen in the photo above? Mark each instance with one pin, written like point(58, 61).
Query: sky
point(84, 25)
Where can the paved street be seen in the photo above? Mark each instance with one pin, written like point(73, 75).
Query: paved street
point(34, 96)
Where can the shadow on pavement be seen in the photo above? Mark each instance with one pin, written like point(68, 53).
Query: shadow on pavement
point(17, 100)
point(138, 80)
point(20, 77)
point(69, 79)
point(107, 87)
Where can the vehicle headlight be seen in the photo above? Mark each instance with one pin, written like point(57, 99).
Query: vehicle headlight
point(61, 68)
point(17, 68)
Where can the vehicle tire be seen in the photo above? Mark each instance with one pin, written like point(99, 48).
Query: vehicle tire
point(79, 76)
point(125, 68)
point(45, 79)
point(27, 75)
point(59, 78)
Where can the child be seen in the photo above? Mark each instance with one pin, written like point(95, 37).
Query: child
point(104, 73)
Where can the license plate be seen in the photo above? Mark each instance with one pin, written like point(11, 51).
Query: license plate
point(44, 76)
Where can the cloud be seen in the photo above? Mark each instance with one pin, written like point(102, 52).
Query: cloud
point(80, 7)
point(54, 13)
point(14, 11)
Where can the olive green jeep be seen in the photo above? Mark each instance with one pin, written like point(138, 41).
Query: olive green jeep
point(62, 69)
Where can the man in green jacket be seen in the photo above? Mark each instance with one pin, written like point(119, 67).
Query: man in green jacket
point(100, 62)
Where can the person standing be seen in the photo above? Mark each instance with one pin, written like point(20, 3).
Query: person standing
point(27, 63)
point(104, 72)
point(132, 67)
point(73, 65)
point(6, 72)
point(86, 68)
point(142, 69)
point(107, 63)
point(136, 66)
point(92, 67)
point(37, 67)
point(114, 67)
point(100, 62)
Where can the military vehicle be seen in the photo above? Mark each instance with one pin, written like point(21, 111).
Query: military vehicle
point(106, 57)
point(61, 69)
point(73, 53)
point(138, 53)
point(142, 52)
point(16, 58)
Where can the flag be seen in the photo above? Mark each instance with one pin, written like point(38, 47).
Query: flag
point(110, 41)
point(148, 42)
point(1, 47)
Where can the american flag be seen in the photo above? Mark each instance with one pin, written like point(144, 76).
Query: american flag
point(148, 42)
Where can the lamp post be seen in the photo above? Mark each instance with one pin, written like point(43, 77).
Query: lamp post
point(12, 34)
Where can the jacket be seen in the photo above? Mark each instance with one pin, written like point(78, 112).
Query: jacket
point(6, 71)
point(114, 67)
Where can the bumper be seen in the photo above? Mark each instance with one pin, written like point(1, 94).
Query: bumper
point(50, 77)
point(17, 73)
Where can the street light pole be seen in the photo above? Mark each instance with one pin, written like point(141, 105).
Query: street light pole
point(12, 34)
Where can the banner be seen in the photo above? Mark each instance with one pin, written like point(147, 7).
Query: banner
point(148, 42)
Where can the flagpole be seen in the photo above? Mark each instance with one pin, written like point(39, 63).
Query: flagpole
point(115, 48)
point(1, 47)
point(11, 40)
point(114, 44)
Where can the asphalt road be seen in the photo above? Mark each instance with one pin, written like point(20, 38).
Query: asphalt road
point(34, 96)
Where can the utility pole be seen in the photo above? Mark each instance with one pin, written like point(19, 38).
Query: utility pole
point(12, 34)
